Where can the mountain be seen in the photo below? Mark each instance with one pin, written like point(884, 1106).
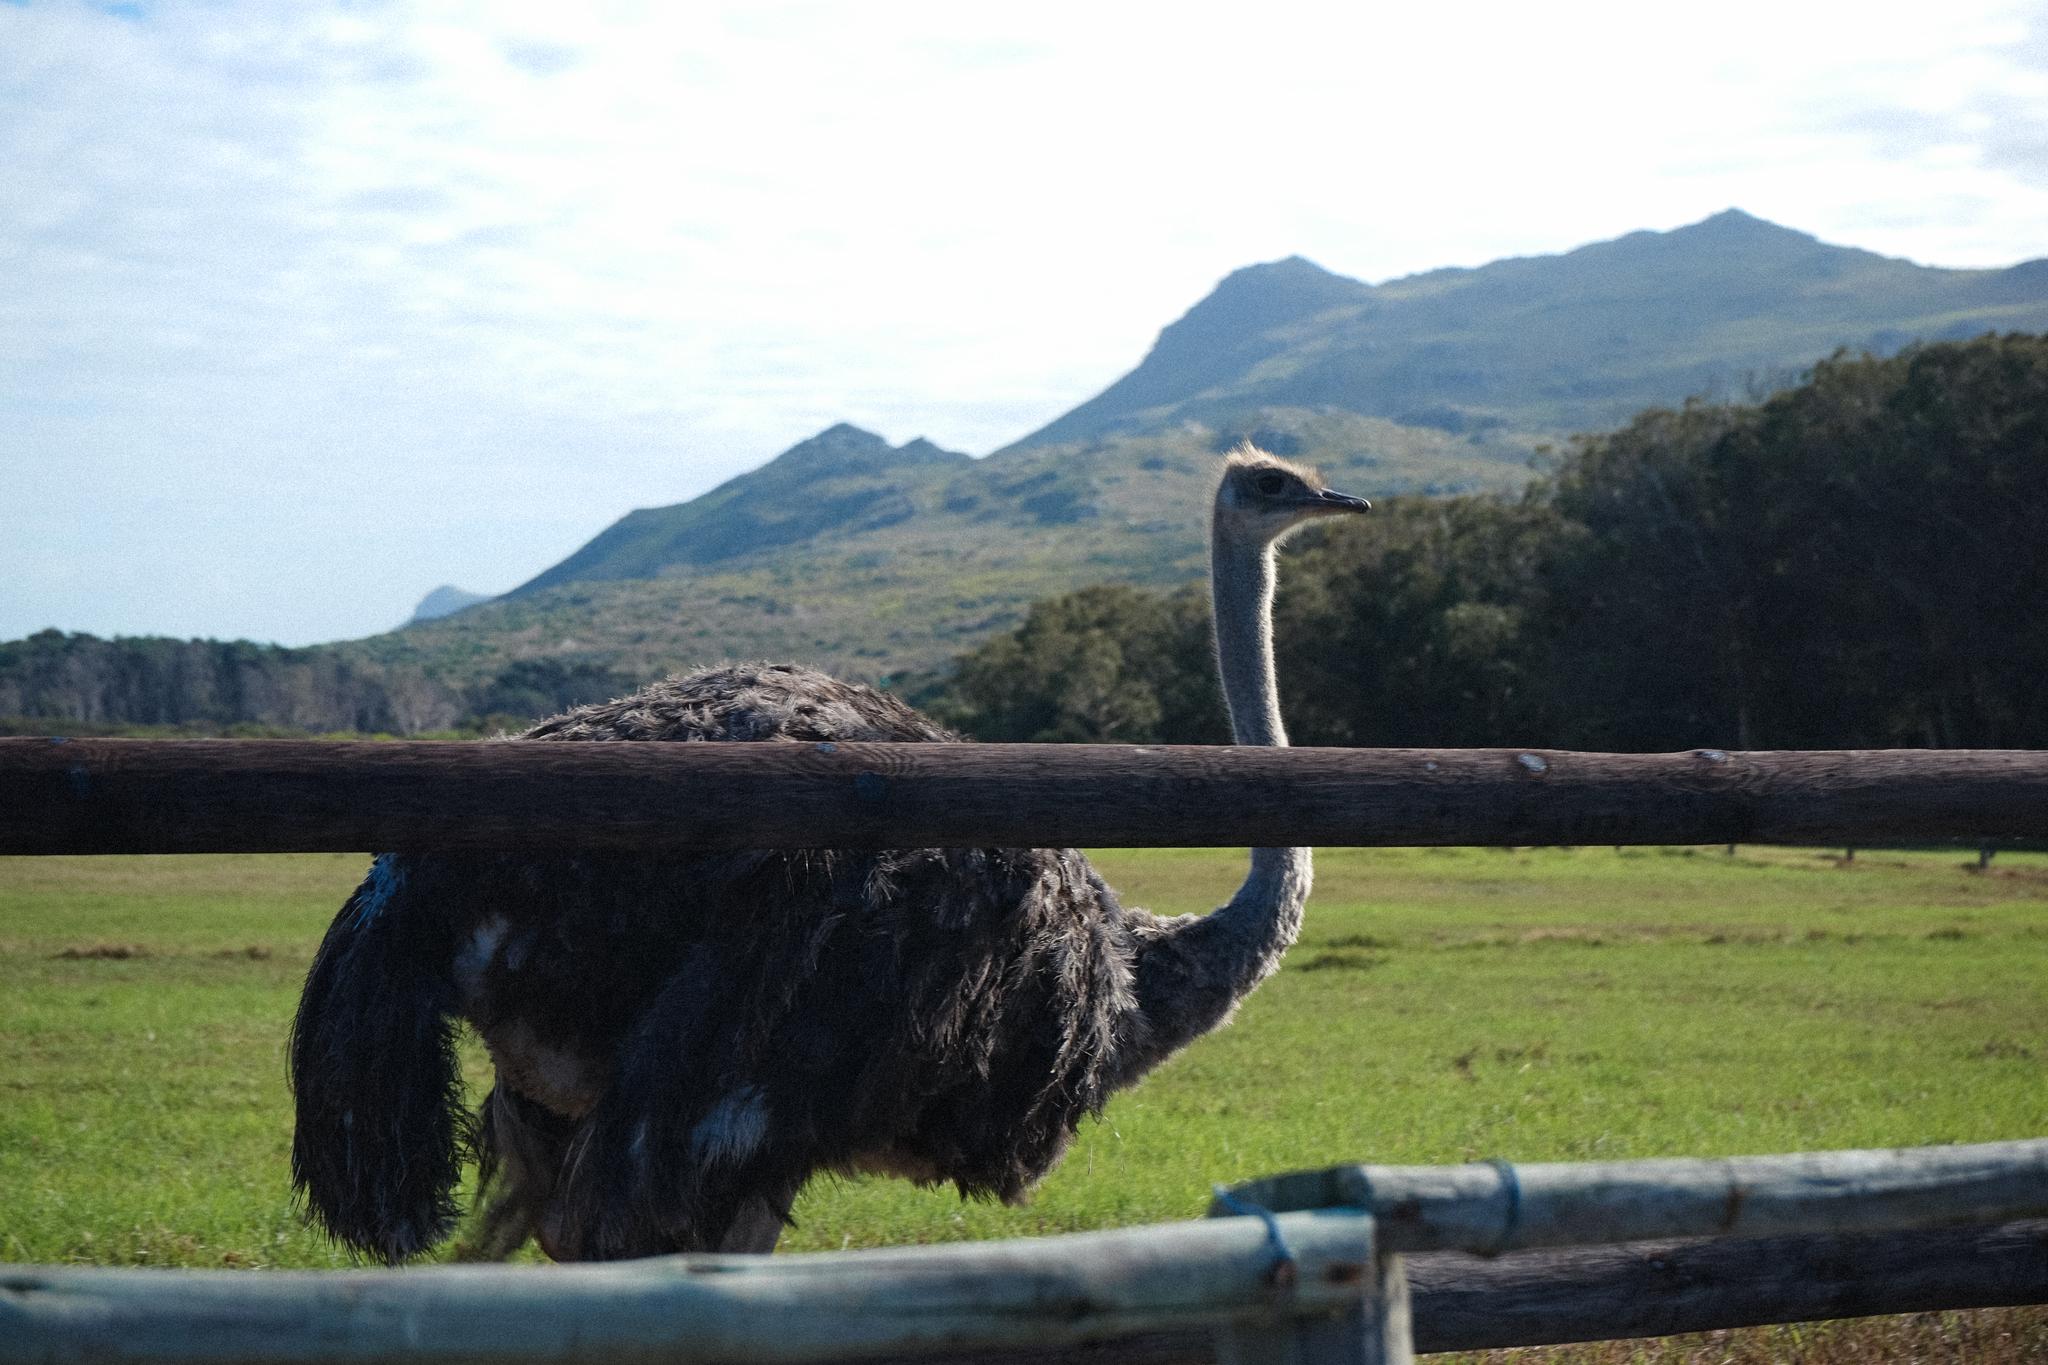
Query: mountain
point(1550, 344)
point(874, 560)
point(445, 600)
point(842, 482)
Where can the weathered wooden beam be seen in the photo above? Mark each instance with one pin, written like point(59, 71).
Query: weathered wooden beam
point(1656, 1289)
point(762, 1310)
point(259, 796)
point(1491, 1207)
point(1459, 1303)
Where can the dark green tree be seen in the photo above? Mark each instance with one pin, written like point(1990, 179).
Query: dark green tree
point(1104, 664)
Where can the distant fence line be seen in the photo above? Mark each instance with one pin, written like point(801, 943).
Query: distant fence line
point(1327, 1284)
point(256, 796)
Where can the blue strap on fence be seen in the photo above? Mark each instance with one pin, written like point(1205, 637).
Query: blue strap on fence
point(1283, 1254)
point(1512, 1224)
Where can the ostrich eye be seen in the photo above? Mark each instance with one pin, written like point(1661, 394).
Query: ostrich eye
point(1270, 482)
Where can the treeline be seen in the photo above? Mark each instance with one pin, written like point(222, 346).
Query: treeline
point(1861, 561)
point(216, 685)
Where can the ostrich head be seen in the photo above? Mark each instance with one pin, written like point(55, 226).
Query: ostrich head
point(1263, 497)
point(1259, 500)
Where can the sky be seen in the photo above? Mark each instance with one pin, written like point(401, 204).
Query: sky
point(307, 309)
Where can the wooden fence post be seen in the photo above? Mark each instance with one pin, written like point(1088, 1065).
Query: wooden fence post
point(1375, 1329)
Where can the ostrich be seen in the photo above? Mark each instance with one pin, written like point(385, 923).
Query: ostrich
point(680, 1042)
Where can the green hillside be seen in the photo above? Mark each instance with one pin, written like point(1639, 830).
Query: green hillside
point(842, 482)
point(875, 562)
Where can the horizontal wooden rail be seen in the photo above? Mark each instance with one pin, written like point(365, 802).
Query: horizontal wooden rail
point(1255, 1275)
point(762, 1310)
point(1658, 1289)
point(1492, 1207)
point(657, 1310)
point(261, 796)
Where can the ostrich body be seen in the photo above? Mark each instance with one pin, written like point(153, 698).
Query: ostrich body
point(681, 1041)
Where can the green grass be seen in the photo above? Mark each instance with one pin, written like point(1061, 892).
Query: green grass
point(1442, 1005)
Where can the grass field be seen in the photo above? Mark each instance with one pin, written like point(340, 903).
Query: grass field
point(1443, 1005)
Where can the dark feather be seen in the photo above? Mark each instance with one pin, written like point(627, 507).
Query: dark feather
point(682, 1041)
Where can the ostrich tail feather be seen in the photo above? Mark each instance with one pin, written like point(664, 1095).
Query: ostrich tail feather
point(381, 1130)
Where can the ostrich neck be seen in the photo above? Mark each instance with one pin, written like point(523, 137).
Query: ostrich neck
point(1241, 582)
point(1191, 973)
point(1265, 915)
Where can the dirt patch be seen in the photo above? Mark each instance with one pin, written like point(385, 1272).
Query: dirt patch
point(2004, 1050)
point(103, 952)
point(1342, 962)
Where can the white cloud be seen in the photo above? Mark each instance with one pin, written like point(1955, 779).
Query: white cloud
point(312, 307)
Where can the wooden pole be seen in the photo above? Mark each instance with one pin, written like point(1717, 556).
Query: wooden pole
point(763, 1310)
point(1491, 1207)
point(262, 796)
point(1459, 1303)
point(1656, 1289)
point(1376, 1328)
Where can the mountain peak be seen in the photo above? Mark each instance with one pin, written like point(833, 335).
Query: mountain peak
point(846, 448)
point(1730, 254)
point(1273, 292)
point(1733, 225)
point(844, 431)
point(839, 437)
point(1287, 267)
point(445, 600)
point(841, 446)
point(1735, 217)
point(1243, 319)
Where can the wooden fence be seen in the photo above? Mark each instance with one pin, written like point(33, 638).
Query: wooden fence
point(1314, 1284)
point(1323, 1272)
point(274, 796)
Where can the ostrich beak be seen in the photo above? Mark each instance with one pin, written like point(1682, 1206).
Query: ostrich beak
point(1329, 499)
